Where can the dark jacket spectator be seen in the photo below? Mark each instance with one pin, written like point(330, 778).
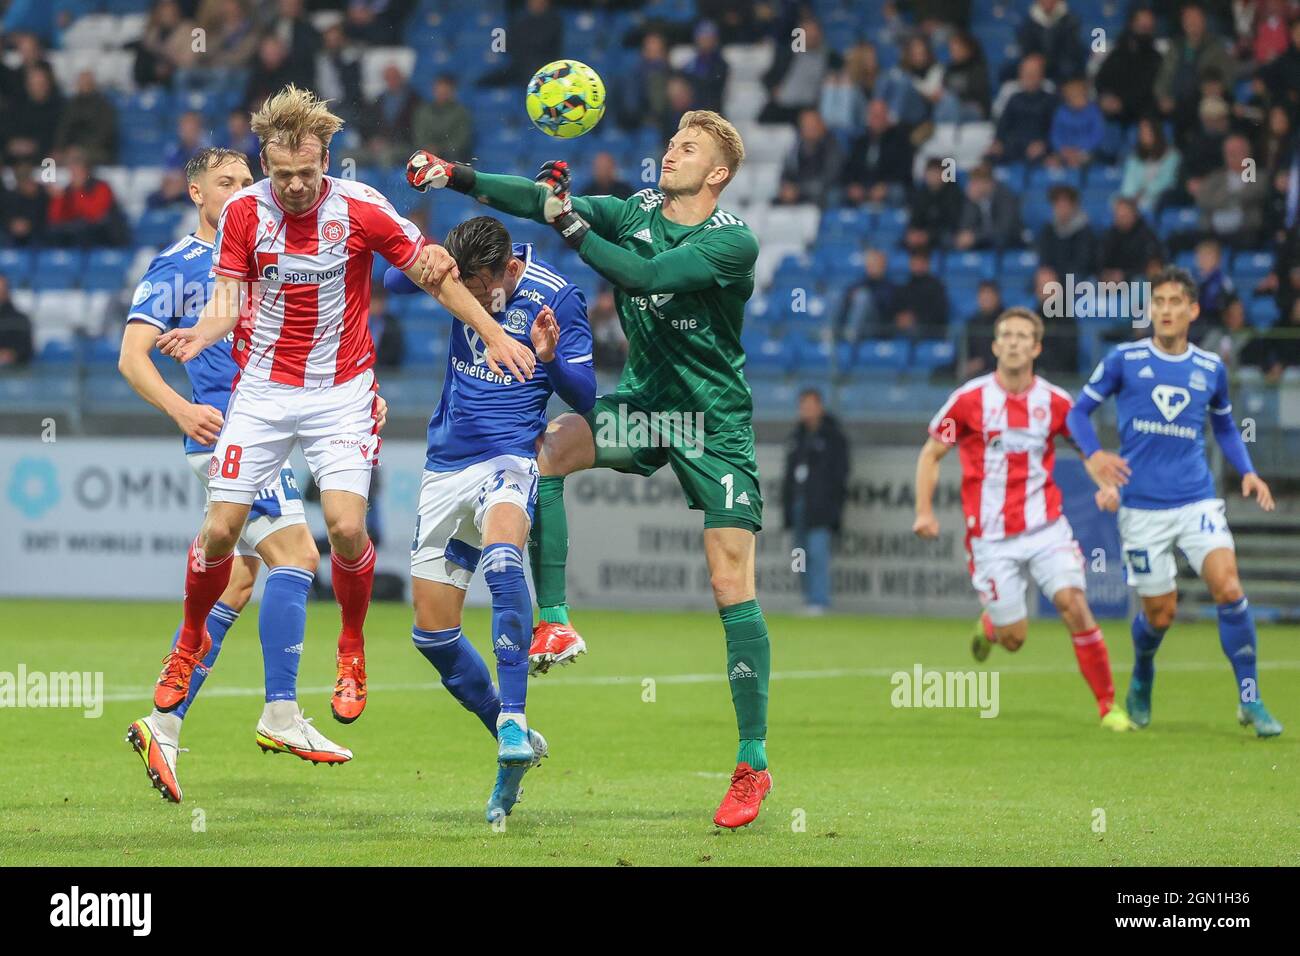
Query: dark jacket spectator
point(15, 331)
point(89, 120)
point(1215, 286)
point(609, 345)
point(386, 331)
point(536, 34)
point(1282, 75)
point(1192, 57)
point(1128, 246)
point(936, 209)
point(605, 180)
point(387, 121)
point(271, 72)
point(644, 101)
point(967, 75)
point(921, 307)
point(445, 124)
point(1067, 243)
point(291, 26)
point(1026, 121)
point(379, 22)
point(979, 331)
point(708, 69)
point(880, 160)
point(794, 81)
point(816, 472)
point(338, 73)
point(24, 208)
point(869, 304)
point(34, 117)
point(1231, 208)
point(813, 168)
point(1126, 81)
point(990, 216)
point(1051, 29)
point(166, 44)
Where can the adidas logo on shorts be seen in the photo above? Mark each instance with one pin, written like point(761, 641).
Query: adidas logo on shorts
point(742, 498)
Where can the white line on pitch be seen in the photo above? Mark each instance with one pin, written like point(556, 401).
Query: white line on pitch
point(146, 694)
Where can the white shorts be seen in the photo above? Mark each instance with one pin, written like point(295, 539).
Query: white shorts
point(1051, 556)
point(1150, 535)
point(278, 505)
point(336, 427)
point(449, 526)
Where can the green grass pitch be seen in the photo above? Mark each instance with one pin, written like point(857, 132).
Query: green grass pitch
point(634, 781)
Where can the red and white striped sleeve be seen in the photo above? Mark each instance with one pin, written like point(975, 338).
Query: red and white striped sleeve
point(232, 251)
point(952, 420)
point(386, 231)
point(1062, 402)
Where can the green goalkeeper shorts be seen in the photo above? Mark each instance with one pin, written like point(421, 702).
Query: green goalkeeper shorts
point(717, 472)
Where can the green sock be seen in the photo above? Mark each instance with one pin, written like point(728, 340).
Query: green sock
point(548, 549)
point(749, 664)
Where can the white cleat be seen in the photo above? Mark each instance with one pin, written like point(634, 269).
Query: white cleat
point(301, 739)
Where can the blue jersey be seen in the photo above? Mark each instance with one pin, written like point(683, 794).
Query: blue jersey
point(1162, 402)
point(481, 414)
point(172, 295)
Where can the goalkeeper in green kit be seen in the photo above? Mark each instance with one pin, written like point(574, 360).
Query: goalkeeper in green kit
point(682, 269)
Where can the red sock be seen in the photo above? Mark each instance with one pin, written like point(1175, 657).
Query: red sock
point(1094, 662)
point(352, 582)
point(990, 632)
point(205, 580)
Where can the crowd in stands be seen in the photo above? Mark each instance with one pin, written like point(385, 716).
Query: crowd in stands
point(1110, 140)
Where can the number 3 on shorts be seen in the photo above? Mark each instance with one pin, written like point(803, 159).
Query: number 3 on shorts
point(729, 482)
point(230, 464)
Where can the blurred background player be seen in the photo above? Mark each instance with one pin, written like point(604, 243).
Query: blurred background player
point(1005, 424)
point(480, 481)
point(305, 241)
point(682, 308)
point(1165, 387)
point(171, 294)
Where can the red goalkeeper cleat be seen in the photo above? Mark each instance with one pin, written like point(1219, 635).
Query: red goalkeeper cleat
point(350, 689)
point(749, 788)
point(174, 682)
point(553, 644)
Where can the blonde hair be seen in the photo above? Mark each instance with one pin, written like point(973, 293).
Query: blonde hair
point(290, 116)
point(1020, 312)
point(723, 133)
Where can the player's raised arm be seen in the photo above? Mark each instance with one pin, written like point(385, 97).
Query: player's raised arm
point(218, 320)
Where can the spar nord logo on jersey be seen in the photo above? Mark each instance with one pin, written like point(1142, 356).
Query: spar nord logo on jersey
point(1170, 400)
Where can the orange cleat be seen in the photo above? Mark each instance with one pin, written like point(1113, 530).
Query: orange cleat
point(159, 755)
point(350, 689)
point(174, 682)
point(749, 788)
point(553, 644)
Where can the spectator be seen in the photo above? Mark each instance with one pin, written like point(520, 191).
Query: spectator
point(89, 120)
point(965, 82)
point(921, 310)
point(1026, 122)
point(172, 191)
point(239, 136)
point(387, 125)
point(605, 180)
point(814, 491)
point(385, 331)
point(990, 216)
point(979, 329)
point(681, 99)
point(85, 213)
point(1050, 29)
point(1274, 354)
point(1230, 338)
point(609, 343)
point(338, 72)
point(812, 169)
point(848, 90)
point(1284, 280)
point(1189, 58)
point(1278, 143)
point(913, 87)
point(536, 34)
point(794, 81)
point(1204, 151)
point(936, 208)
point(644, 102)
point(1128, 245)
point(1126, 81)
point(191, 136)
point(1215, 285)
point(869, 304)
point(1282, 74)
point(24, 207)
point(1078, 127)
point(1061, 332)
point(1232, 208)
point(15, 331)
point(301, 41)
point(444, 124)
point(232, 42)
point(379, 22)
point(707, 69)
point(1268, 34)
point(879, 167)
point(1067, 243)
point(33, 119)
point(1151, 170)
point(167, 44)
point(270, 74)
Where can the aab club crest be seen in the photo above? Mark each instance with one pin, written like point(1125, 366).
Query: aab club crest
point(332, 231)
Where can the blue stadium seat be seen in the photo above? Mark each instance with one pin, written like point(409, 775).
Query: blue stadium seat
point(1176, 219)
point(157, 227)
point(16, 265)
point(57, 269)
point(103, 351)
point(815, 356)
point(1011, 175)
point(58, 352)
point(1103, 174)
point(1262, 311)
point(1036, 211)
point(773, 356)
point(970, 265)
point(425, 348)
point(1248, 268)
point(882, 354)
point(938, 353)
point(846, 356)
point(1018, 265)
point(105, 270)
point(1042, 178)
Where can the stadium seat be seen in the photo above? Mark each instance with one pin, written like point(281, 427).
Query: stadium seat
point(970, 265)
point(16, 265)
point(425, 347)
point(1018, 265)
point(1262, 311)
point(1043, 178)
point(57, 352)
point(159, 227)
point(1176, 219)
point(882, 354)
point(775, 355)
point(939, 353)
point(57, 269)
point(1248, 268)
point(815, 357)
point(106, 270)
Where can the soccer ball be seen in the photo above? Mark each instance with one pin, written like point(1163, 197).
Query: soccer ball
point(565, 99)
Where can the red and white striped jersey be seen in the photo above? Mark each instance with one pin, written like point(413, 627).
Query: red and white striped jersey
point(305, 319)
point(1006, 444)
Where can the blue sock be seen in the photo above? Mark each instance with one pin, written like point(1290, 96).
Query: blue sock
point(512, 617)
point(282, 623)
point(1238, 640)
point(464, 672)
point(1146, 641)
point(220, 619)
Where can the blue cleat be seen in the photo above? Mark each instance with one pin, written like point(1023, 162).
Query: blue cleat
point(513, 748)
point(1138, 702)
point(1256, 715)
point(508, 789)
